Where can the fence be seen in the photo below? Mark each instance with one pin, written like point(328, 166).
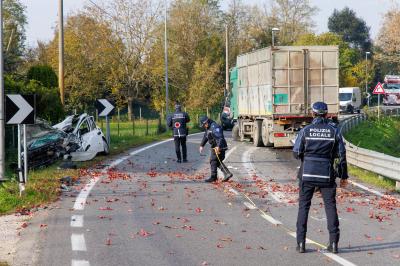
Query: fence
point(373, 161)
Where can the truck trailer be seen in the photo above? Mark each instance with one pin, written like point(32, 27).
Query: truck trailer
point(274, 89)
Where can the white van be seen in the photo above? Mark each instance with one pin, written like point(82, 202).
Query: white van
point(350, 100)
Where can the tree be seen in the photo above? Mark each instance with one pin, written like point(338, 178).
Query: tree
point(44, 74)
point(348, 57)
point(293, 18)
point(133, 23)
point(90, 60)
point(14, 34)
point(388, 43)
point(195, 32)
point(206, 86)
point(353, 29)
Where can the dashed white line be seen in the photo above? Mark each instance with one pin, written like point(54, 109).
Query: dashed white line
point(332, 256)
point(80, 201)
point(82, 197)
point(234, 191)
point(337, 258)
point(80, 263)
point(77, 221)
point(78, 242)
point(366, 188)
point(246, 159)
point(270, 219)
point(249, 205)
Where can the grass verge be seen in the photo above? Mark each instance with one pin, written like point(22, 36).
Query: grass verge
point(43, 184)
point(378, 135)
point(372, 178)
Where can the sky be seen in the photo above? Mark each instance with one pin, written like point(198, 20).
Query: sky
point(42, 14)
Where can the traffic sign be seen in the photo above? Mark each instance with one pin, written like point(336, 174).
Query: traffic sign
point(20, 109)
point(104, 107)
point(379, 89)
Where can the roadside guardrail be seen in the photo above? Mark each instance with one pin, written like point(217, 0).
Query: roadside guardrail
point(376, 162)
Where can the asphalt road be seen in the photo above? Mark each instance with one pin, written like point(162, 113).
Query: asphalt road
point(148, 210)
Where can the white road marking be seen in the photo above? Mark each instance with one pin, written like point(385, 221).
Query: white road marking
point(332, 256)
point(249, 205)
point(226, 157)
point(80, 201)
point(82, 197)
point(366, 188)
point(234, 191)
point(77, 221)
point(337, 258)
point(80, 263)
point(246, 160)
point(78, 242)
point(247, 163)
point(317, 219)
point(270, 219)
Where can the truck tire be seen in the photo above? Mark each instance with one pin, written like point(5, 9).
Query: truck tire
point(235, 132)
point(257, 136)
point(265, 134)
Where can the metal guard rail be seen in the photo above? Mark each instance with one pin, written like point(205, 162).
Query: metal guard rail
point(376, 162)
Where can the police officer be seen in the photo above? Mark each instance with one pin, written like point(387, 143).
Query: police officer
point(215, 136)
point(178, 123)
point(318, 145)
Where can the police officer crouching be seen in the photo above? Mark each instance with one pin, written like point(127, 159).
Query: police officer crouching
point(178, 123)
point(215, 136)
point(317, 146)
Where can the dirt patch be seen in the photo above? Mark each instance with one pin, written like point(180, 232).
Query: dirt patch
point(10, 227)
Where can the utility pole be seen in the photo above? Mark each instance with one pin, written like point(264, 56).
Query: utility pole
point(61, 50)
point(227, 61)
point(366, 76)
point(166, 59)
point(2, 128)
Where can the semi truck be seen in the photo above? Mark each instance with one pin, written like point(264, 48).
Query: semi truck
point(391, 86)
point(273, 89)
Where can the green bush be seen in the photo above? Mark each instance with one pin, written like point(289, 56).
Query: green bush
point(44, 74)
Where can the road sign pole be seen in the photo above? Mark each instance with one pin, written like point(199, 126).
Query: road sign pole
point(2, 128)
point(379, 107)
point(108, 131)
point(25, 156)
point(21, 178)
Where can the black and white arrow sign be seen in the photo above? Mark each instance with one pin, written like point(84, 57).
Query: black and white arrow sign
point(104, 107)
point(20, 109)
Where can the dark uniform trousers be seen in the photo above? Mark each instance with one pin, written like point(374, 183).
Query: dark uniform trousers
point(180, 141)
point(328, 191)
point(215, 163)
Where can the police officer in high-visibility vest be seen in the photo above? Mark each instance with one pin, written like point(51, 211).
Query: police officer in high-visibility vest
point(318, 145)
point(214, 135)
point(178, 122)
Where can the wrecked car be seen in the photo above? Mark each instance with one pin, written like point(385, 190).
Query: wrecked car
point(76, 138)
point(45, 144)
point(82, 129)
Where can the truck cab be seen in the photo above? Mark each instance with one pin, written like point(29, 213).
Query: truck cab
point(392, 90)
point(350, 100)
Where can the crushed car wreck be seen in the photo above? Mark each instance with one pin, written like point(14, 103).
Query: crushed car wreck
point(76, 138)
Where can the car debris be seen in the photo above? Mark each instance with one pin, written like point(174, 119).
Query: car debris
point(77, 138)
point(82, 130)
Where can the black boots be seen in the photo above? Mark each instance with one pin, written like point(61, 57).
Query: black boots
point(179, 161)
point(333, 247)
point(211, 179)
point(301, 247)
point(227, 176)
